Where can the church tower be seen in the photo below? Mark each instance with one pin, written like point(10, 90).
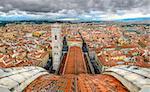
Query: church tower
point(56, 45)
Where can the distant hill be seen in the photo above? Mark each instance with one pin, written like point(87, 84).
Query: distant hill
point(128, 20)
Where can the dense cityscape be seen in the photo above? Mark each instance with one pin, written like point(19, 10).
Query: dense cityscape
point(74, 45)
point(110, 45)
point(74, 53)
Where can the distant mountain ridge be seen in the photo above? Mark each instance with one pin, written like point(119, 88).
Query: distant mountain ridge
point(40, 21)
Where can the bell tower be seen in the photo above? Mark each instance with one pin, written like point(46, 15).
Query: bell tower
point(56, 45)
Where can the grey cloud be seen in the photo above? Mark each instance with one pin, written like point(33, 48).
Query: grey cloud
point(78, 5)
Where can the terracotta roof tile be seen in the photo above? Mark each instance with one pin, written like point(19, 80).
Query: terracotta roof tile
point(75, 63)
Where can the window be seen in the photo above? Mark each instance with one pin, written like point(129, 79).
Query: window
point(55, 46)
point(55, 37)
point(55, 53)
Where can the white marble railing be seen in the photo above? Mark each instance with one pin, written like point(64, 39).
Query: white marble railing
point(134, 78)
point(16, 79)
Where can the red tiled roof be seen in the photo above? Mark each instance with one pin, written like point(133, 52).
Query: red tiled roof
point(73, 83)
point(75, 63)
point(99, 83)
point(51, 83)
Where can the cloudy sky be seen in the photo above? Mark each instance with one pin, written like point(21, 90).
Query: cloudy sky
point(74, 9)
